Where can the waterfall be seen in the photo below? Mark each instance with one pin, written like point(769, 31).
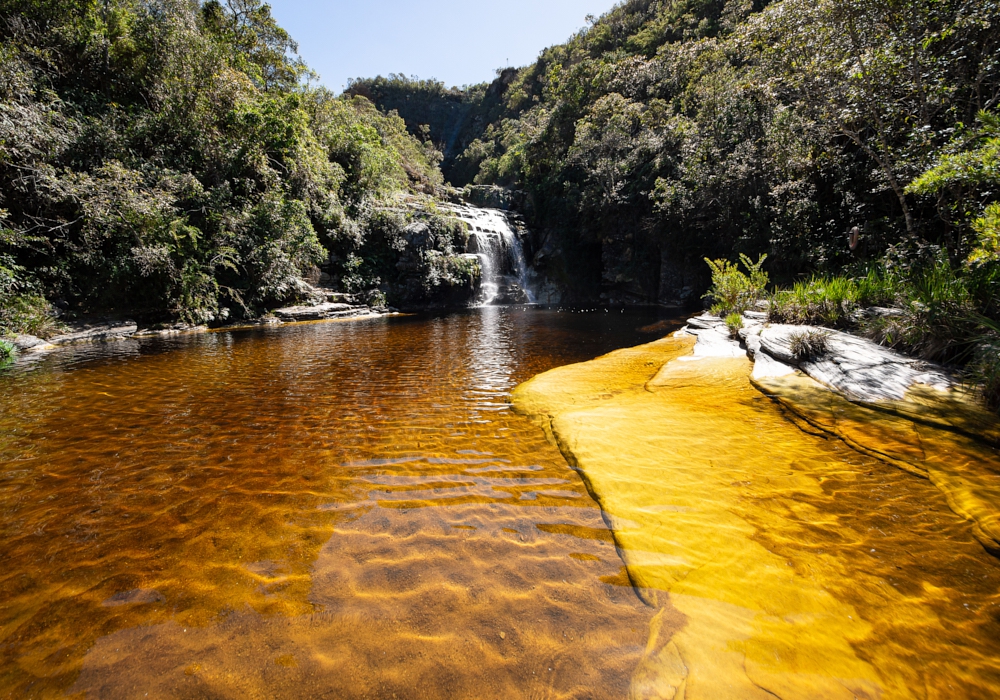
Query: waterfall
point(493, 240)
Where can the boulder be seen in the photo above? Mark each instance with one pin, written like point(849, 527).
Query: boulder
point(327, 309)
point(705, 321)
point(28, 342)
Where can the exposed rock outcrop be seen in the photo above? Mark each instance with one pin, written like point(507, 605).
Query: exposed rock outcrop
point(910, 413)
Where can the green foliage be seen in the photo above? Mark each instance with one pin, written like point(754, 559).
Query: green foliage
point(167, 159)
point(939, 305)
point(985, 365)
point(938, 311)
point(29, 314)
point(733, 290)
point(987, 245)
point(444, 119)
point(831, 300)
point(977, 166)
point(734, 322)
point(7, 352)
point(674, 131)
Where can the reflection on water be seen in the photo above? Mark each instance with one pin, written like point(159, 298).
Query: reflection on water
point(347, 509)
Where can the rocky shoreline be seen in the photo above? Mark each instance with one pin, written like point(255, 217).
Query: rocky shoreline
point(318, 304)
point(913, 414)
point(771, 549)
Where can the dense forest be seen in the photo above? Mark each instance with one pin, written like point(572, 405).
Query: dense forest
point(669, 131)
point(171, 160)
point(174, 159)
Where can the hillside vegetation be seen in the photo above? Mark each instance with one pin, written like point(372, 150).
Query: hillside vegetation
point(670, 131)
point(168, 159)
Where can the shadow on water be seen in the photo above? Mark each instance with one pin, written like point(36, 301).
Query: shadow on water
point(344, 508)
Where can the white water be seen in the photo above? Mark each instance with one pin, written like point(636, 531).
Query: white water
point(501, 256)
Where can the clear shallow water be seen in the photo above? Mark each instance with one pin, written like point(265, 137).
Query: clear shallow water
point(783, 563)
point(332, 509)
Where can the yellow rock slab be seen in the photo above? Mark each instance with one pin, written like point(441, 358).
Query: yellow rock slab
point(724, 516)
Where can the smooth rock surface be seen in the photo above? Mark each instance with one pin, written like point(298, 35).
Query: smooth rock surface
point(773, 557)
point(28, 342)
point(857, 368)
point(327, 309)
point(96, 334)
point(704, 321)
point(766, 366)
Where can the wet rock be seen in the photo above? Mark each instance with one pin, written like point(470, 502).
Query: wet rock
point(28, 342)
point(510, 294)
point(169, 330)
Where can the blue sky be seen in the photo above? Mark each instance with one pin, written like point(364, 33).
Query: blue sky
point(456, 42)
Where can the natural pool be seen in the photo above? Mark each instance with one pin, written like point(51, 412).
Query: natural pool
point(352, 509)
point(346, 509)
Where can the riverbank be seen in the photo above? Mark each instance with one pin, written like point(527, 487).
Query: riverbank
point(782, 562)
point(102, 330)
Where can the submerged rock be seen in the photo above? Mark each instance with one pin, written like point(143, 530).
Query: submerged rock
point(965, 469)
point(137, 596)
point(764, 546)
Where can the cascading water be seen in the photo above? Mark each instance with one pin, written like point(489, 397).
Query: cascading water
point(501, 256)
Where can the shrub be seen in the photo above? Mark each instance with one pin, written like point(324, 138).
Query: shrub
point(28, 313)
point(809, 345)
point(987, 228)
point(733, 290)
point(986, 372)
point(6, 351)
point(734, 322)
point(938, 306)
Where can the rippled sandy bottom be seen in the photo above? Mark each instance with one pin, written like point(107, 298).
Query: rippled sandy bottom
point(414, 608)
point(328, 510)
point(783, 564)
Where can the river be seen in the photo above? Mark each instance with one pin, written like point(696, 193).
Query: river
point(352, 509)
point(338, 508)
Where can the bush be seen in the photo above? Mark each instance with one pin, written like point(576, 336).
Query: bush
point(809, 345)
point(28, 313)
point(7, 351)
point(733, 290)
point(937, 322)
point(734, 322)
point(985, 372)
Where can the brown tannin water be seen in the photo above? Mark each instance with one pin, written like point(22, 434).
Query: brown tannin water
point(322, 510)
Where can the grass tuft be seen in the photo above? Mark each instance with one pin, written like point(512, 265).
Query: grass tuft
point(810, 344)
point(734, 322)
